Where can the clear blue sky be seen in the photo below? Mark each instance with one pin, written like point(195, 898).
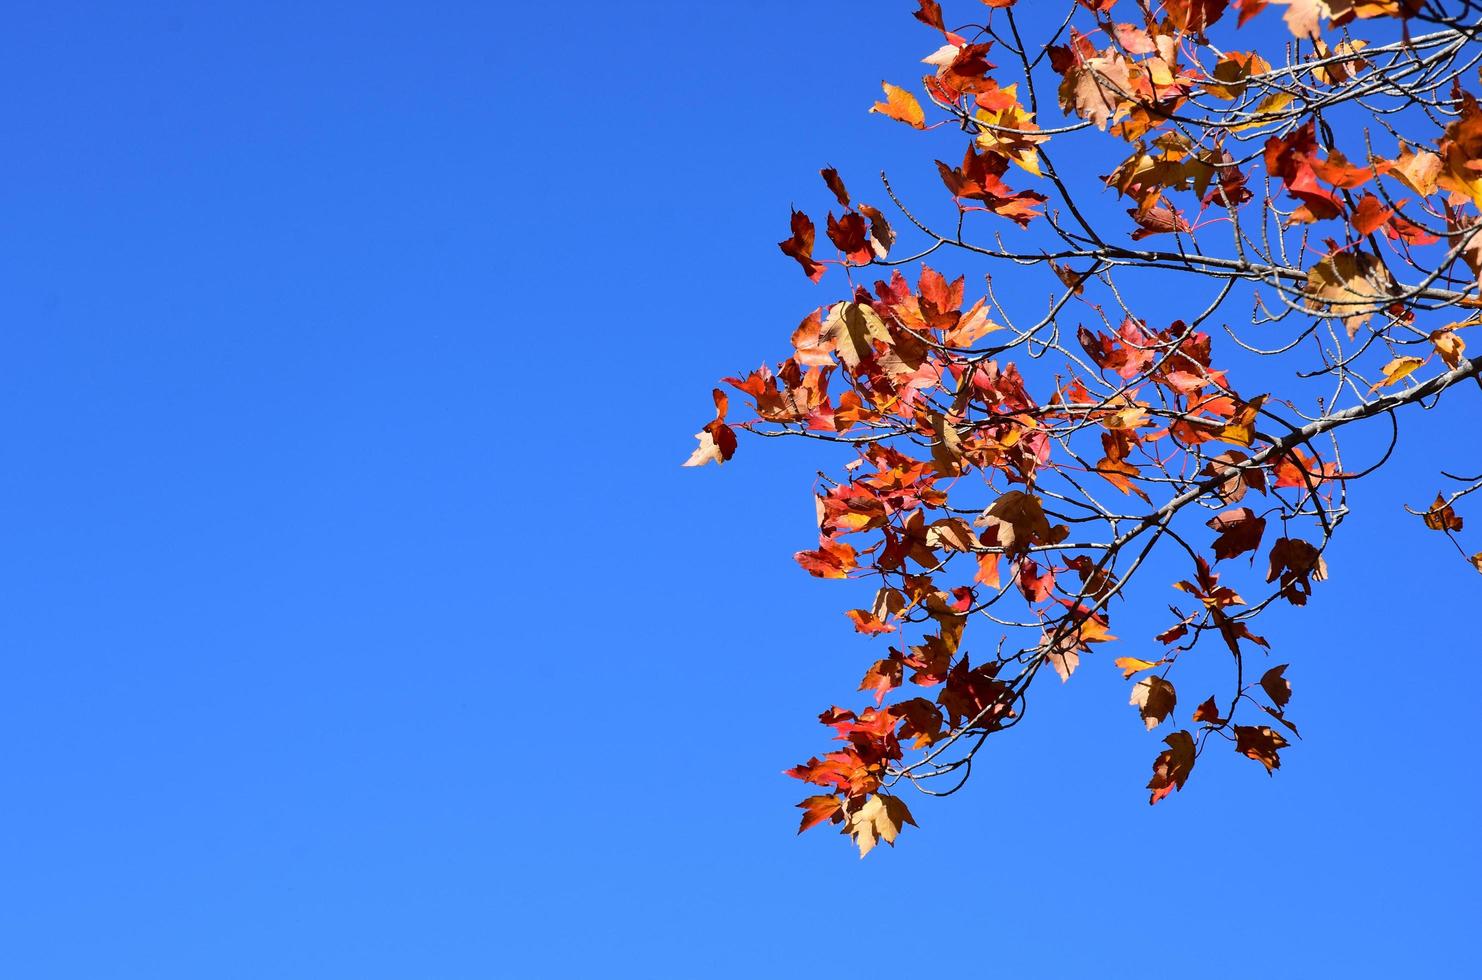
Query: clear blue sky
point(356, 618)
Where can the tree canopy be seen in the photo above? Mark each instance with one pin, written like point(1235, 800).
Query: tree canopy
point(1022, 453)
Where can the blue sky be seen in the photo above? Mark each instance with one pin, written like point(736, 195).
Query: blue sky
point(358, 620)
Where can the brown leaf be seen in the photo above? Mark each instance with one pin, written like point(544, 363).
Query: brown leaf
point(1442, 516)
point(1172, 767)
point(1277, 687)
point(1297, 564)
point(1154, 699)
point(1240, 531)
point(1349, 285)
point(1208, 712)
point(835, 184)
point(1261, 743)
point(1092, 90)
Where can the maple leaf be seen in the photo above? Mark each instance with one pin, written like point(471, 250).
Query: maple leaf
point(1157, 220)
point(979, 179)
point(831, 559)
point(1449, 346)
point(1172, 767)
point(882, 236)
point(1233, 489)
point(1418, 170)
point(836, 184)
point(1096, 89)
point(883, 677)
point(1349, 285)
point(1132, 665)
point(1016, 520)
point(1277, 687)
point(1396, 370)
point(865, 622)
point(1208, 712)
point(1154, 699)
point(817, 809)
point(800, 245)
point(901, 106)
point(1240, 531)
point(1461, 148)
point(1261, 743)
point(930, 14)
point(717, 440)
point(851, 236)
point(1370, 215)
point(881, 817)
point(1442, 516)
point(1195, 15)
point(1297, 564)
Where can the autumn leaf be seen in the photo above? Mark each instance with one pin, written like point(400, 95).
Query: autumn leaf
point(1449, 346)
point(1417, 170)
point(1296, 564)
point(865, 622)
point(717, 440)
point(1195, 15)
point(831, 559)
point(881, 817)
point(930, 14)
point(900, 105)
point(883, 677)
point(1154, 699)
point(800, 245)
point(1277, 687)
point(1016, 521)
point(1172, 767)
point(1131, 665)
point(1349, 285)
point(1208, 712)
point(1442, 516)
point(1094, 90)
point(1240, 531)
point(1261, 743)
point(817, 809)
point(1397, 370)
point(836, 184)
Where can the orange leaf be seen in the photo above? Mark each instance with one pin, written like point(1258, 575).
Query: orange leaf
point(900, 105)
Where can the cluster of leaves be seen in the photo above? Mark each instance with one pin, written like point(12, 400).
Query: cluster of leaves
point(983, 490)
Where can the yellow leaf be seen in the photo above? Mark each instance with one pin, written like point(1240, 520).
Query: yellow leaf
point(1397, 369)
point(1131, 665)
point(880, 818)
point(900, 105)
